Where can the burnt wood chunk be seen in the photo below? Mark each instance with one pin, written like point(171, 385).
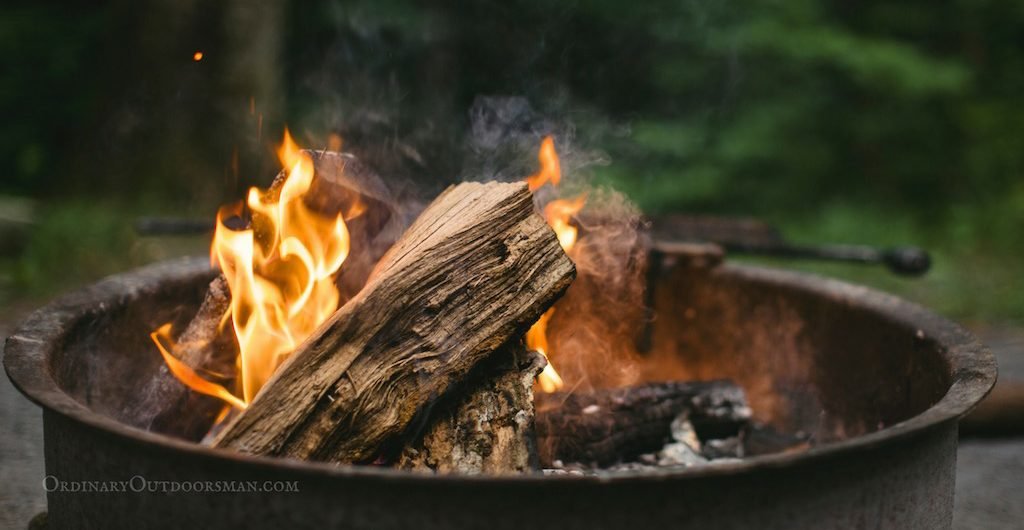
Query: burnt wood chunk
point(168, 406)
point(474, 270)
point(612, 425)
point(488, 425)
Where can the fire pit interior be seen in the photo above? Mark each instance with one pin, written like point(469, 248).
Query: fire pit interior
point(801, 372)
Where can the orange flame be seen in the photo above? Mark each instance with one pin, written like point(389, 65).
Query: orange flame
point(280, 273)
point(187, 375)
point(558, 214)
point(537, 340)
point(550, 167)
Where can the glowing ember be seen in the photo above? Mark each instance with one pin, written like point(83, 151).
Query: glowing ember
point(198, 56)
point(280, 272)
point(557, 213)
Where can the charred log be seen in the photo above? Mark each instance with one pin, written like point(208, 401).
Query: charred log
point(207, 346)
point(611, 425)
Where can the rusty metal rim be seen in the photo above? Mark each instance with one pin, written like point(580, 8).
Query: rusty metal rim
point(972, 367)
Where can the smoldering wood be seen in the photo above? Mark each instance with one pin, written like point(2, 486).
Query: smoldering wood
point(612, 425)
point(475, 269)
point(168, 406)
point(487, 424)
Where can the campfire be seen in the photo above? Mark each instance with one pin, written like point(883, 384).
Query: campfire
point(497, 334)
point(694, 391)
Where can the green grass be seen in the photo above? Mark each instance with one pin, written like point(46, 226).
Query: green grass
point(76, 242)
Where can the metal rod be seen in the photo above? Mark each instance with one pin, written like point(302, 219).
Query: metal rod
point(906, 261)
point(172, 226)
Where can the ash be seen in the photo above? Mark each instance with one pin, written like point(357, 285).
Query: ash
point(685, 450)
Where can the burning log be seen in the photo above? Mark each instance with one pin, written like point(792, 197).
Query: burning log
point(205, 346)
point(488, 428)
point(474, 270)
point(610, 425)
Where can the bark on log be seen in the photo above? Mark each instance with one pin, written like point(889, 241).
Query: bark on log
point(611, 425)
point(166, 405)
point(475, 269)
point(487, 425)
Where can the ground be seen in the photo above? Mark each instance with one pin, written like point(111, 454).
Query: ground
point(990, 473)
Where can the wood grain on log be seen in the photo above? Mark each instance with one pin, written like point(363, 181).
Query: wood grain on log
point(487, 424)
point(475, 269)
point(610, 425)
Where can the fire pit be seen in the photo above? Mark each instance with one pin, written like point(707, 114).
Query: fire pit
point(879, 383)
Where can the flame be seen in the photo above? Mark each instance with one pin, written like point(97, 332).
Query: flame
point(550, 168)
point(280, 272)
point(198, 56)
point(558, 214)
point(186, 374)
point(537, 339)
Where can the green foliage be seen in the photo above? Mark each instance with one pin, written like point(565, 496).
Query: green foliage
point(73, 243)
point(76, 241)
point(880, 122)
point(45, 50)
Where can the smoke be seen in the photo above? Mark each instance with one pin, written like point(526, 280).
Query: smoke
point(412, 128)
point(593, 331)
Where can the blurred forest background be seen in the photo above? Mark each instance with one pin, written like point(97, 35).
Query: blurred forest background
point(880, 122)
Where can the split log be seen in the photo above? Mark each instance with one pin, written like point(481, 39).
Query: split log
point(611, 425)
point(487, 425)
point(475, 269)
point(168, 406)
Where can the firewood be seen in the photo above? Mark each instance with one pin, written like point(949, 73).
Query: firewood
point(475, 269)
point(207, 345)
point(610, 425)
point(487, 425)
